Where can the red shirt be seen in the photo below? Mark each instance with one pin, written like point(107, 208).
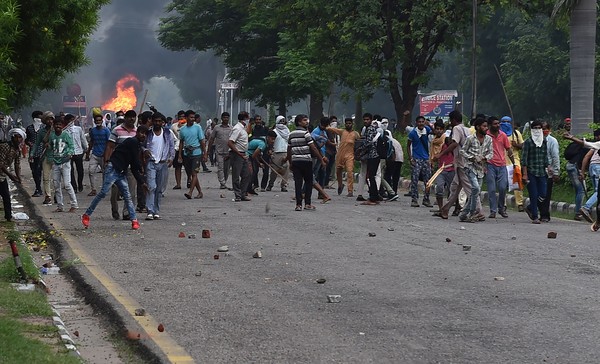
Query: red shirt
point(500, 144)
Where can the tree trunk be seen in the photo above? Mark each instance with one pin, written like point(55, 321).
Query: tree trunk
point(358, 112)
point(316, 109)
point(582, 62)
point(282, 108)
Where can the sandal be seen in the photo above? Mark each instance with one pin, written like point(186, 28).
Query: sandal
point(188, 196)
point(200, 195)
point(93, 193)
point(325, 200)
point(310, 208)
point(298, 208)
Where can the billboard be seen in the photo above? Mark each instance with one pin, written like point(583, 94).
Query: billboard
point(75, 105)
point(436, 104)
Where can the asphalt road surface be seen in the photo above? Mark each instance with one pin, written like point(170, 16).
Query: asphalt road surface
point(406, 295)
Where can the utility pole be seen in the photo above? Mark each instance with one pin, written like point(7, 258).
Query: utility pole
point(474, 62)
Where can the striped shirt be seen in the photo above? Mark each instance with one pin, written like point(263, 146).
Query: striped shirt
point(119, 134)
point(300, 141)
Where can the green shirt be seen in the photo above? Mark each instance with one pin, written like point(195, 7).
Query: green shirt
point(61, 148)
point(535, 158)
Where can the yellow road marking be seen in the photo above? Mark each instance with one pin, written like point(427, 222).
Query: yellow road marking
point(173, 351)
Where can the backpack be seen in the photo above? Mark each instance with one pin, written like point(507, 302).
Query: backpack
point(384, 146)
point(360, 149)
point(572, 150)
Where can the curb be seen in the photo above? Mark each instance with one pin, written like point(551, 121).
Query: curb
point(555, 206)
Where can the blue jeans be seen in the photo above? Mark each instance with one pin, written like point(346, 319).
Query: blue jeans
point(155, 173)
point(594, 175)
point(497, 180)
point(537, 192)
point(573, 174)
point(471, 207)
point(120, 179)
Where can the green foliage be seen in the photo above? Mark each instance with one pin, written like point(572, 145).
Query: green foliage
point(39, 47)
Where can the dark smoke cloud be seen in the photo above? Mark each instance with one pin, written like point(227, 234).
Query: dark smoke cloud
point(126, 42)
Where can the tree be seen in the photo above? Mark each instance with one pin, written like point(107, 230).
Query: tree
point(39, 48)
point(238, 31)
point(582, 25)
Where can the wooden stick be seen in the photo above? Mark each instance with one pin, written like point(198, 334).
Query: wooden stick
point(505, 95)
point(435, 175)
point(143, 101)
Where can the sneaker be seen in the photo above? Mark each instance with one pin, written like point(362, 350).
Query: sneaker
point(245, 198)
point(135, 224)
point(156, 217)
point(520, 208)
point(47, 201)
point(360, 198)
point(492, 215)
point(36, 194)
point(426, 203)
point(503, 213)
point(536, 221)
point(595, 226)
point(414, 203)
point(85, 220)
point(150, 217)
point(238, 199)
point(578, 217)
point(463, 217)
point(394, 198)
point(59, 209)
point(585, 213)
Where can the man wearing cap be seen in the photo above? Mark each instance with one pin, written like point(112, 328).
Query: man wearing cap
point(9, 155)
point(279, 157)
point(218, 139)
point(41, 149)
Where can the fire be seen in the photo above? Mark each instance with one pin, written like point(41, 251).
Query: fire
point(125, 99)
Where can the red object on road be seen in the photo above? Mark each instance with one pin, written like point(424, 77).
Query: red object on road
point(206, 234)
point(182, 234)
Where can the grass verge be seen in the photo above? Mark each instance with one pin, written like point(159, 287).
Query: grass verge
point(27, 334)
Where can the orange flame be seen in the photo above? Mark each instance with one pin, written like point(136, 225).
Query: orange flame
point(125, 99)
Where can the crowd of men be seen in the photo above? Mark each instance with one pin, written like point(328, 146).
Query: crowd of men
point(129, 159)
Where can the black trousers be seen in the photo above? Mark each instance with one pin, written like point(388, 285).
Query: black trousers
point(392, 174)
point(77, 164)
point(372, 165)
point(544, 206)
point(36, 170)
point(5, 193)
point(303, 176)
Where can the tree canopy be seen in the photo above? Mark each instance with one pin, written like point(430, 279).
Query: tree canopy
point(40, 43)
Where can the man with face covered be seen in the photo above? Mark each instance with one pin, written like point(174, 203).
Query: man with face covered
point(9, 155)
point(34, 159)
point(497, 175)
point(279, 158)
point(534, 162)
point(345, 155)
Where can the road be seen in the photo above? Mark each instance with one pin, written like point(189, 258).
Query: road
point(407, 295)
